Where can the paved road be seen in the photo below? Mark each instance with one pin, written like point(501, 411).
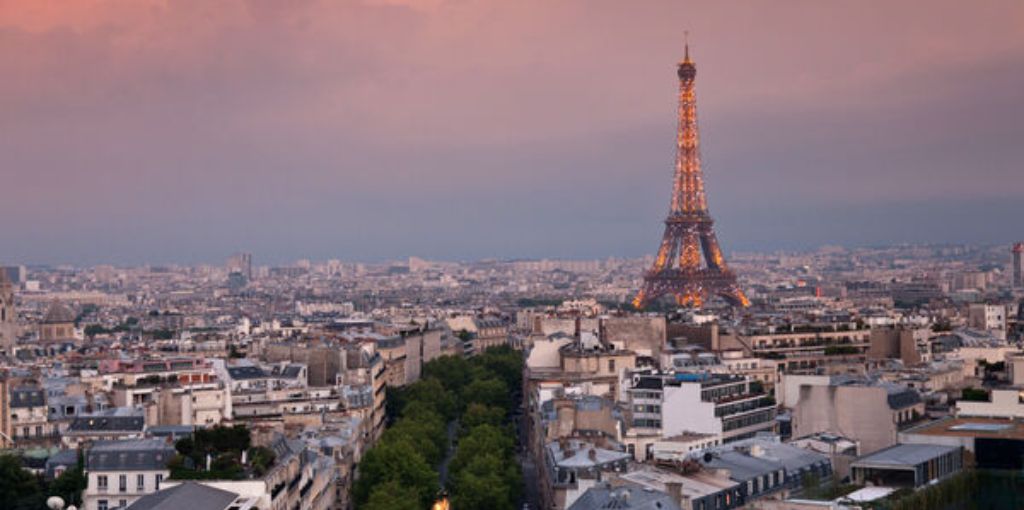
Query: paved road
point(453, 428)
point(531, 483)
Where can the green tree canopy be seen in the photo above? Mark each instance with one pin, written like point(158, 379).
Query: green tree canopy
point(399, 461)
point(18, 488)
point(489, 392)
point(483, 440)
point(480, 414)
point(484, 484)
point(392, 496)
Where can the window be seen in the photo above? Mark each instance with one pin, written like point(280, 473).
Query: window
point(611, 365)
point(140, 482)
point(122, 483)
point(101, 482)
point(39, 430)
point(122, 503)
point(159, 478)
point(102, 505)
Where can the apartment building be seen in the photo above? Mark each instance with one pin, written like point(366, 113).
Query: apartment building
point(120, 472)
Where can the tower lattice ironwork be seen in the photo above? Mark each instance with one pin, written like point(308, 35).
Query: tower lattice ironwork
point(680, 269)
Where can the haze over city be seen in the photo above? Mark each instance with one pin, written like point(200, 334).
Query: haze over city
point(152, 131)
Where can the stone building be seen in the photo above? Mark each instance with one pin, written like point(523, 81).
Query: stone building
point(58, 323)
point(871, 413)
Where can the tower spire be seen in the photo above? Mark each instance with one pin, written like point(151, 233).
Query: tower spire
point(686, 47)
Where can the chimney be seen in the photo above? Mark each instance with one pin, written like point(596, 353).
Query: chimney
point(756, 451)
point(675, 491)
point(577, 328)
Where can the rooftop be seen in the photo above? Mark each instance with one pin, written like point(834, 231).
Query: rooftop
point(113, 420)
point(580, 454)
point(972, 427)
point(637, 498)
point(905, 455)
point(131, 455)
point(191, 495)
point(27, 397)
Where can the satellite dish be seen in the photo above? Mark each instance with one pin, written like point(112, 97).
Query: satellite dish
point(708, 457)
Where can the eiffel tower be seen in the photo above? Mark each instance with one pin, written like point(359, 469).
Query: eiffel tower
point(678, 269)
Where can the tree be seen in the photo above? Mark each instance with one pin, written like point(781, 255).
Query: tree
point(395, 460)
point(18, 488)
point(490, 392)
point(392, 496)
point(483, 440)
point(430, 392)
point(970, 394)
point(505, 363)
point(427, 434)
point(452, 371)
point(95, 329)
point(484, 484)
point(70, 484)
point(480, 414)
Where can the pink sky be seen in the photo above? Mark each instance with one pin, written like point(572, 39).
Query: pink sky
point(196, 127)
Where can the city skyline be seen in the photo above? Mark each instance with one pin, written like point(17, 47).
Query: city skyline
point(371, 130)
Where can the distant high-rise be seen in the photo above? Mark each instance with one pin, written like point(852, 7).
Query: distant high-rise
point(15, 274)
point(1018, 265)
point(8, 314)
point(678, 269)
point(241, 263)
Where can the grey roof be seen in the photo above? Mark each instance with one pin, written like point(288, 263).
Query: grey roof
point(792, 459)
point(580, 454)
point(288, 371)
point(170, 431)
point(743, 467)
point(903, 455)
point(900, 396)
point(624, 497)
point(27, 397)
point(63, 458)
point(246, 372)
point(131, 455)
point(107, 422)
point(190, 495)
point(488, 323)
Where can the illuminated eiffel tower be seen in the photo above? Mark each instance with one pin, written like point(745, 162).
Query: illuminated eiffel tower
point(678, 269)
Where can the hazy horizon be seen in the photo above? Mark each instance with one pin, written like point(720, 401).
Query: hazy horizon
point(145, 131)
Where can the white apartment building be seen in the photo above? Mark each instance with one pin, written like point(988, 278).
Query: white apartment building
point(120, 472)
point(663, 405)
point(991, 318)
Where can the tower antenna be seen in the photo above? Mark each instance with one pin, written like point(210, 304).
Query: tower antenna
point(686, 46)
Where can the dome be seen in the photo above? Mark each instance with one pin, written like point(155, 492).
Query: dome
point(58, 313)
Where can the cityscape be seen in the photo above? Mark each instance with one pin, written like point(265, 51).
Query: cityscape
point(334, 329)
